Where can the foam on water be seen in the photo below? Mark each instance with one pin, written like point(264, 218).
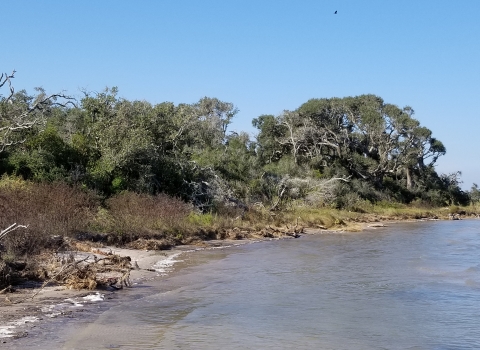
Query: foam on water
point(94, 297)
point(9, 330)
point(56, 310)
point(165, 265)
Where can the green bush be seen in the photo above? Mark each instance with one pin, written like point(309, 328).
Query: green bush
point(202, 220)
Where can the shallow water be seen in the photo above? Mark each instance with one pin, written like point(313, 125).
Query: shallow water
point(409, 286)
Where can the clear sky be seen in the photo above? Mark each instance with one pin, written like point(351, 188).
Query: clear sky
point(263, 56)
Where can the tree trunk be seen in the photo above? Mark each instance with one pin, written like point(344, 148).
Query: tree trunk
point(378, 180)
point(421, 163)
point(409, 178)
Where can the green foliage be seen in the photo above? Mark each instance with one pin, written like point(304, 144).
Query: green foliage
point(454, 209)
point(118, 185)
point(475, 194)
point(202, 220)
point(385, 204)
point(269, 149)
point(44, 157)
point(112, 145)
point(285, 166)
point(12, 182)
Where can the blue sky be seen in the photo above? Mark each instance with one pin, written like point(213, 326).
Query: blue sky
point(263, 56)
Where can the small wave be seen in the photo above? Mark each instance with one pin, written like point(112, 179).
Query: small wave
point(56, 310)
point(165, 265)
point(472, 283)
point(9, 330)
point(94, 297)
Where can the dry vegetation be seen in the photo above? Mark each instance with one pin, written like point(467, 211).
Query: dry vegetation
point(49, 210)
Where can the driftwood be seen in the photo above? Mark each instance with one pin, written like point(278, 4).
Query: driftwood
point(99, 273)
point(454, 217)
point(111, 271)
point(293, 231)
point(64, 267)
point(11, 228)
point(8, 289)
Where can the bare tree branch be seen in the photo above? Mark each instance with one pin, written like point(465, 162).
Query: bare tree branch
point(5, 78)
point(18, 116)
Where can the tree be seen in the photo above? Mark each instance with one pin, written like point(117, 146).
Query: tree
point(475, 194)
point(214, 117)
point(451, 185)
point(370, 137)
point(418, 146)
point(20, 112)
point(362, 137)
point(123, 152)
point(270, 130)
point(45, 157)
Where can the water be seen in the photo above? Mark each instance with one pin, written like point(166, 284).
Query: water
point(409, 286)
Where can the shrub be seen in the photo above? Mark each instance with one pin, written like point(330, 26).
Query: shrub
point(454, 209)
point(202, 220)
point(134, 215)
point(47, 209)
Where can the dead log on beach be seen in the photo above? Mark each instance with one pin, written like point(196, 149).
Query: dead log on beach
point(8, 289)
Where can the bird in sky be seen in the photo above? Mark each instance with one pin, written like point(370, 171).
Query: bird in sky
point(335, 13)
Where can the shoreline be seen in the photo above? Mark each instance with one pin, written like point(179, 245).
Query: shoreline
point(16, 319)
point(31, 303)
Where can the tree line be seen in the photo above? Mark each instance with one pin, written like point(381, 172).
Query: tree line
point(337, 152)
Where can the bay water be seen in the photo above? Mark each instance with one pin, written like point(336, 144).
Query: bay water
point(408, 286)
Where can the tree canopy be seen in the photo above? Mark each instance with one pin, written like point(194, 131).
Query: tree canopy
point(327, 150)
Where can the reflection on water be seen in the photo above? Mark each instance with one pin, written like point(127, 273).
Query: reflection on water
point(410, 286)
